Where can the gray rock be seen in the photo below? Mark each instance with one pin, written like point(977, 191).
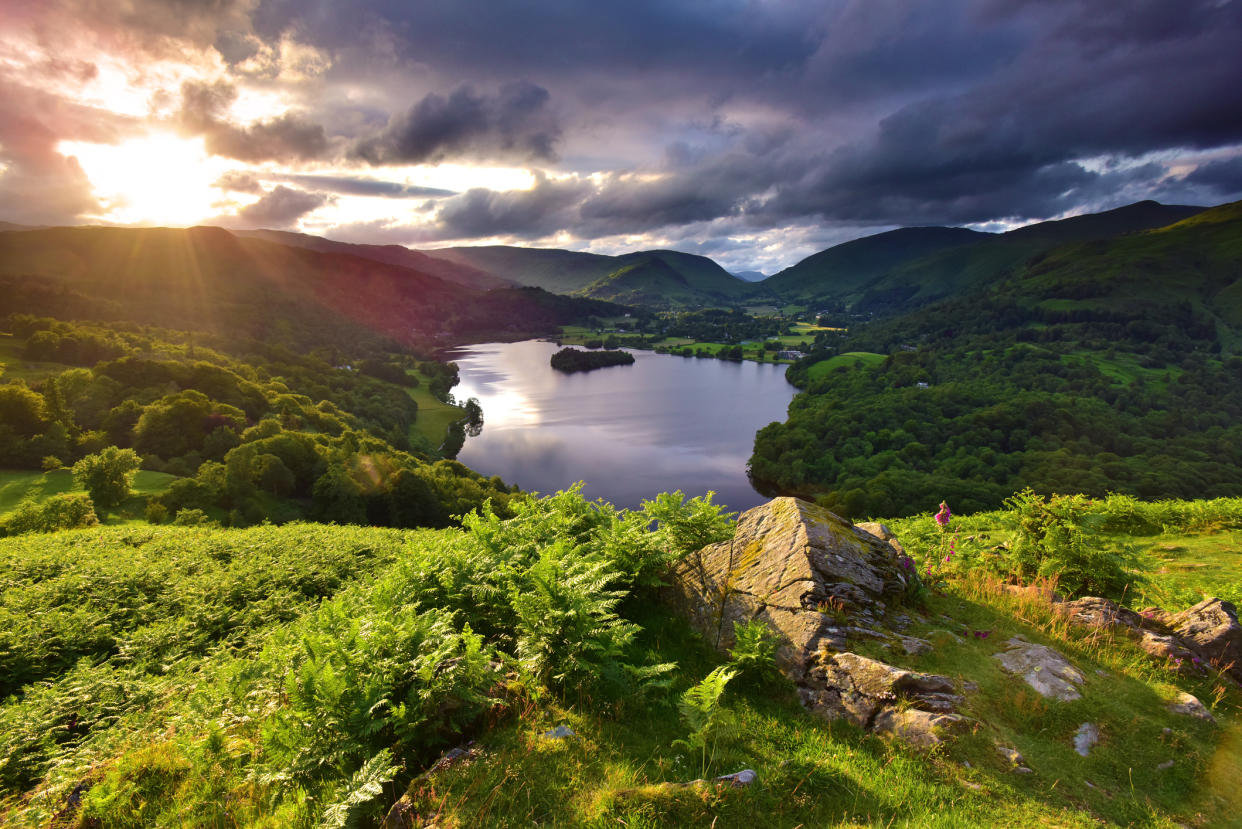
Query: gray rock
point(882, 532)
point(1045, 670)
point(805, 572)
point(1190, 705)
point(914, 646)
point(1211, 628)
point(1093, 611)
point(1014, 756)
point(1086, 737)
point(559, 733)
point(739, 778)
point(1167, 764)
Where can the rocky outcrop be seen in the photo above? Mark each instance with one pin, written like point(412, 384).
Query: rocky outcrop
point(819, 582)
point(1211, 629)
point(1189, 641)
point(812, 577)
point(1045, 670)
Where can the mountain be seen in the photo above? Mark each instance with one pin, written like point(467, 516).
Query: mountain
point(209, 279)
point(659, 278)
point(389, 254)
point(850, 267)
point(912, 267)
point(1094, 366)
point(750, 276)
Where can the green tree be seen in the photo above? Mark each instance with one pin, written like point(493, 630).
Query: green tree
point(107, 475)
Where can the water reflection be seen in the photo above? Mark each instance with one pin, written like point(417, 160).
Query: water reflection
point(629, 432)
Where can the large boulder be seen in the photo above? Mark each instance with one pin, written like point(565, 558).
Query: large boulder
point(811, 576)
point(1211, 629)
point(817, 582)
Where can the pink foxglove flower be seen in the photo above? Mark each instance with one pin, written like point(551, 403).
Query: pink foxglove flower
point(942, 517)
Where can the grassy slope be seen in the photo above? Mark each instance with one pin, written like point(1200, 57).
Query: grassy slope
point(811, 773)
point(434, 416)
point(18, 484)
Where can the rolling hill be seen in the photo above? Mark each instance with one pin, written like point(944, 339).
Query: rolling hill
point(658, 278)
point(908, 268)
point(208, 279)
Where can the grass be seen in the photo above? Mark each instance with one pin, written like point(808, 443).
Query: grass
point(17, 484)
point(1184, 568)
point(13, 366)
point(434, 416)
point(850, 359)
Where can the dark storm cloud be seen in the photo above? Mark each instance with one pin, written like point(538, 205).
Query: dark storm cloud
point(546, 208)
point(515, 123)
point(287, 137)
point(354, 186)
point(280, 207)
point(1223, 177)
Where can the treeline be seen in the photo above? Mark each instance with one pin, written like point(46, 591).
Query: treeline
point(570, 360)
point(973, 407)
point(272, 440)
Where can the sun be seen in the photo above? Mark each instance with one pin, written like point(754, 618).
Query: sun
point(160, 178)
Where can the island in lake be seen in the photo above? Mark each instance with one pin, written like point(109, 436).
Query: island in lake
point(570, 360)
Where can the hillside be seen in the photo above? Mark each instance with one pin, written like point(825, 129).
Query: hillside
point(389, 254)
point(208, 279)
point(1107, 365)
point(524, 671)
point(660, 278)
point(913, 267)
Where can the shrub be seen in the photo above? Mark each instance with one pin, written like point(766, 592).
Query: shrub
point(107, 475)
point(67, 511)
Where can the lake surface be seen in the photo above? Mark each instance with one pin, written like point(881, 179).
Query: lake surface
point(628, 432)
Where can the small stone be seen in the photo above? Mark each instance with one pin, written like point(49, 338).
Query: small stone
point(1167, 764)
point(974, 787)
point(970, 686)
point(914, 646)
point(1014, 756)
point(1086, 738)
point(1166, 732)
point(559, 733)
point(1023, 770)
point(1189, 705)
point(739, 778)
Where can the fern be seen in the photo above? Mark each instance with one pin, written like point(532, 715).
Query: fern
point(708, 722)
point(360, 792)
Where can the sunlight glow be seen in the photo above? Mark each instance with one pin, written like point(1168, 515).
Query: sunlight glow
point(157, 179)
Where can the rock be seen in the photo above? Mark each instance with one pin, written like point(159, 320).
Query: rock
point(1086, 737)
point(913, 646)
point(883, 533)
point(1167, 764)
point(1014, 756)
point(1167, 649)
point(1045, 670)
point(818, 582)
point(918, 728)
point(1093, 611)
point(1189, 705)
point(1211, 628)
point(808, 574)
point(559, 733)
point(739, 778)
point(879, 697)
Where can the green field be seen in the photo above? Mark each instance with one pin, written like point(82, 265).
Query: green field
point(434, 416)
point(16, 485)
point(849, 359)
point(13, 366)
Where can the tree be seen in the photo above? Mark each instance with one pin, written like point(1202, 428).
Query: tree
point(107, 475)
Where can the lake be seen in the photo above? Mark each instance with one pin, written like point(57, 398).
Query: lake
point(628, 432)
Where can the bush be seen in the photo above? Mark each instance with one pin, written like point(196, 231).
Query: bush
point(1059, 537)
point(107, 475)
point(66, 511)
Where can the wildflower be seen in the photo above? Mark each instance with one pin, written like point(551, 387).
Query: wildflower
point(942, 517)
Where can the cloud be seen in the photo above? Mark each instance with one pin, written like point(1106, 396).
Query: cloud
point(1222, 177)
point(280, 207)
point(546, 208)
point(287, 138)
point(356, 186)
point(514, 124)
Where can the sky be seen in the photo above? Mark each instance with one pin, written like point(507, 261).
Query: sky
point(753, 131)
